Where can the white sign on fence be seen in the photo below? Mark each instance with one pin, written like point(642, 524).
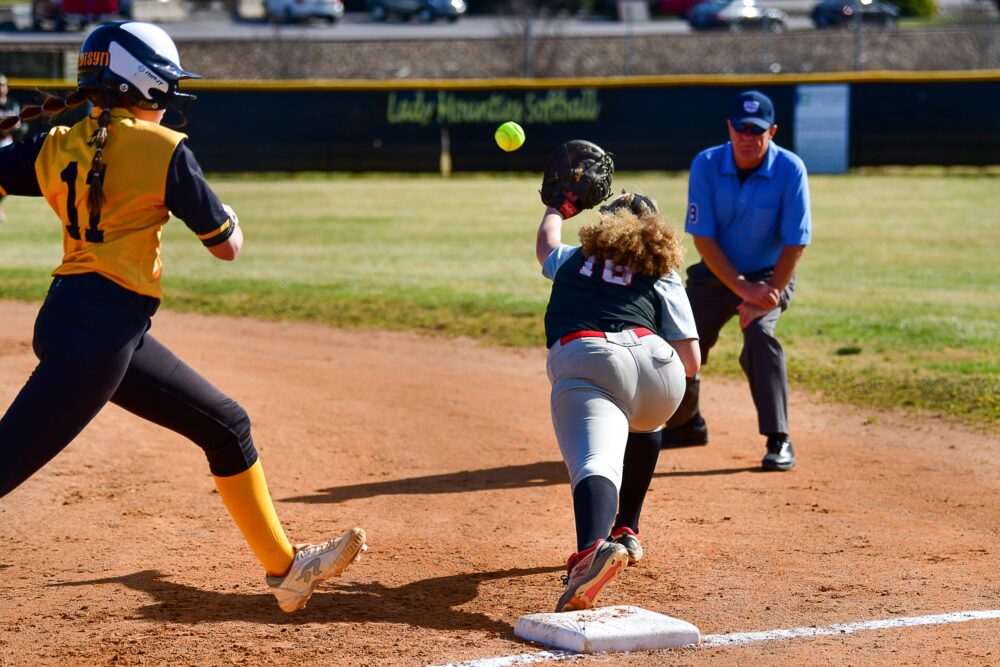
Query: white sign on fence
point(822, 127)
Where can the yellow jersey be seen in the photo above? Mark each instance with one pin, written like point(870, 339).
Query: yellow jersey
point(148, 172)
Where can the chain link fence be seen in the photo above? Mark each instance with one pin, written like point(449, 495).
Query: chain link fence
point(542, 49)
point(958, 47)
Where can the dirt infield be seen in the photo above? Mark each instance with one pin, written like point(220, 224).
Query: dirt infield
point(119, 552)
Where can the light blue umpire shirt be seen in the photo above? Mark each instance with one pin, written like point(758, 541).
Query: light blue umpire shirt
point(751, 222)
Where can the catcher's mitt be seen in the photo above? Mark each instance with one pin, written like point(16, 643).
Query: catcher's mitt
point(577, 177)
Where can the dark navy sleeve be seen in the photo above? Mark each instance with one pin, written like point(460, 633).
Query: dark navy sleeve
point(189, 197)
point(17, 167)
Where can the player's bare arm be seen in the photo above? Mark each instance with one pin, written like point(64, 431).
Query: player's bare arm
point(229, 249)
point(759, 294)
point(549, 234)
point(577, 177)
point(690, 354)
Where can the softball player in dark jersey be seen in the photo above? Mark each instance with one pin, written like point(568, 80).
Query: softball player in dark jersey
point(112, 178)
point(621, 339)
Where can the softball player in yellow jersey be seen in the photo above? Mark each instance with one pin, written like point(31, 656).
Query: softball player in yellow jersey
point(113, 178)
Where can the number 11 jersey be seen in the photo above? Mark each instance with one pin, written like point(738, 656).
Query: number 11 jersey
point(148, 172)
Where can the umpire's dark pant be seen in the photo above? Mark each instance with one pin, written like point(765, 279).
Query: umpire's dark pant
point(92, 346)
point(762, 358)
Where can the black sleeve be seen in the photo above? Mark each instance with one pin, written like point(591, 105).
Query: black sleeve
point(189, 197)
point(17, 167)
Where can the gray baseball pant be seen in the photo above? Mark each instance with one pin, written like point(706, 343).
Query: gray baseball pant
point(603, 388)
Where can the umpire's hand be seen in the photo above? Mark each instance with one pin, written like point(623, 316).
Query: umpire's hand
point(749, 312)
point(762, 295)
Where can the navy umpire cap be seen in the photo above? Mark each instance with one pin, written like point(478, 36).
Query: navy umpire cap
point(752, 107)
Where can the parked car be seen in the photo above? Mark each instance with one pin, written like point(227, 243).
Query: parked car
point(424, 10)
point(736, 15)
point(292, 11)
point(832, 13)
point(674, 7)
point(61, 14)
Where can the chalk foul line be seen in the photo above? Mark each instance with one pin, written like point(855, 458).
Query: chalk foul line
point(743, 638)
point(739, 638)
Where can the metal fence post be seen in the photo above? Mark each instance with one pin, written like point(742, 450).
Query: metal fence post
point(444, 162)
point(859, 45)
point(991, 46)
point(529, 45)
point(767, 43)
point(629, 38)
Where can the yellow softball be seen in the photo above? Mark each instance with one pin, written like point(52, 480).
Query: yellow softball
point(509, 136)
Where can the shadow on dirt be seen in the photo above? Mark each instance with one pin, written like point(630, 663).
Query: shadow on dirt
point(509, 477)
point(429, 603)
point(709, 473)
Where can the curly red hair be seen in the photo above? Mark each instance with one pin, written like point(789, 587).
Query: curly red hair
point(633, 233)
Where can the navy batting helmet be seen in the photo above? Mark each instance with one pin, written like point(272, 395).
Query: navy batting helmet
point(136, 60)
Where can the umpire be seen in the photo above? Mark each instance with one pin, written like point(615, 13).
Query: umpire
point(748, 212)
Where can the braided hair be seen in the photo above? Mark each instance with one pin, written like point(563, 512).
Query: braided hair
point(95, 177)
point(54, 106)
point(51, 107)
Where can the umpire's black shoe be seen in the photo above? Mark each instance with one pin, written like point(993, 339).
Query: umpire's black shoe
point(691, 433)
point(780, 455)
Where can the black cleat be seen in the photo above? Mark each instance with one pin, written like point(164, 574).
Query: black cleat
point(690, 434)
point(780, 455)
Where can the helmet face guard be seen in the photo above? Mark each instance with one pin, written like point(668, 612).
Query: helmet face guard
point(181, 104)
point(135, 60)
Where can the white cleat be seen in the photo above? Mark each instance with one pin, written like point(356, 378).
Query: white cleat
point(315, 563)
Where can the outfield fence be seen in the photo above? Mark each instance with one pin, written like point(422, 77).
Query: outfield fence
point(650, 123)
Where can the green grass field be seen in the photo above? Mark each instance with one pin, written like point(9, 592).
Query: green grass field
point(897, 302)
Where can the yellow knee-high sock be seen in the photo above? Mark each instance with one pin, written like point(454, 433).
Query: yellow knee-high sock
point(249, 502)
